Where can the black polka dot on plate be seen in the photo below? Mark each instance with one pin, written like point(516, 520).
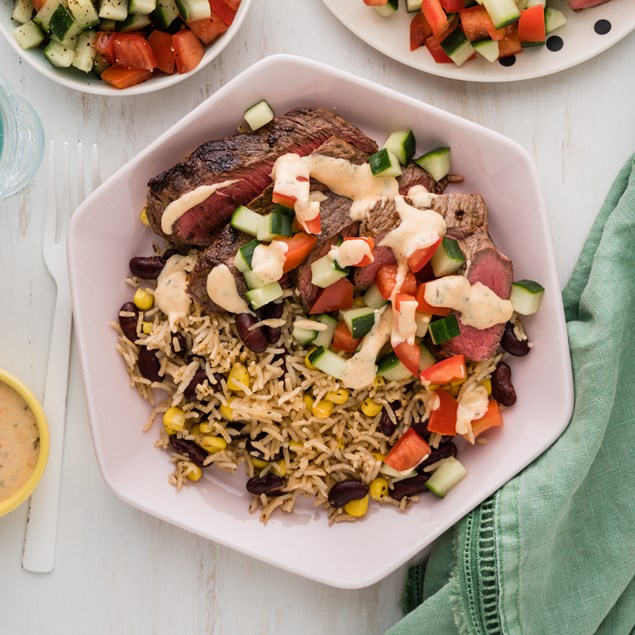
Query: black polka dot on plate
point(510, 60)
point(602, 27)
point(554, 43)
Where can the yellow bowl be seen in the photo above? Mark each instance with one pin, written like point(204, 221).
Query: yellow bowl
point(9, 504)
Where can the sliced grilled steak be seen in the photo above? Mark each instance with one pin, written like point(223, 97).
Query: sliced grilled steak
point(247, 158)
point(414, 175)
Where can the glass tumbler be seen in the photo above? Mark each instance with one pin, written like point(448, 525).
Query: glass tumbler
point(21, 141)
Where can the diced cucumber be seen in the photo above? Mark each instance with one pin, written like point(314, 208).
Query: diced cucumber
point(374, 299)
point(488, 48)
point(436, 162)
point(263, 295)
point(402, 144)
point(328, 362)
point(273, 225)
point(384, 163)
point(22, 11)
point(303, 336)
point(142, 6)
point(526, 296)
point(457, 47)
point(413, 6)
point(253, 281)
point(386, 10)
point(85, 53)
point(359, 321)
point(325, 272)
point(554, 19)
point(62, 25)
point(166, 12)
point(444, 329)
point(107, 25)
point(423, 322)
point(502, 12)
point(325, 337)
point(391, 369)
point(258, 115)
point(113, 9)
point(426, 358)
point(28, 35)
point(43, 16)
point(101, 63)
point(59, 55)
point(84, 13)
point(245, 220)
point(191, 10)
point(244, 255)
point(448, 258)
point(450, 473)
point(281, 209)
point(134, 22)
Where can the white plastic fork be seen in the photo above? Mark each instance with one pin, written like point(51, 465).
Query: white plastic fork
point(70, 180)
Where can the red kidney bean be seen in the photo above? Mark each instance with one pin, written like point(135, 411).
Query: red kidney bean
point(421, 428)
point(409, 486)
point(149, 364)
point(345, 492)
point(272, 333)
point(169, 253)
point(273, 310)
point(502, 387)
point(128, 324)
point(194, 452)
point(200, 377)
point(386, 424)
point(442, 452)
point(178, 341)
point(255, 340)
point(511, 344)
point(147, 267)
point(268, 484)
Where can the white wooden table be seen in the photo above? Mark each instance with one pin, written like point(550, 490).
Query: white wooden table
point(121, 571)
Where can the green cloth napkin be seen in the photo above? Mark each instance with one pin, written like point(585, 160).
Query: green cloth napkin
point(553, 551)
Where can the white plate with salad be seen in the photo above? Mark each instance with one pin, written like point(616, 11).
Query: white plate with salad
point(569, 37)
point(216, 506)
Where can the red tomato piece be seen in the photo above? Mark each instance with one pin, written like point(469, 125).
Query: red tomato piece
point(433, 44)
point(103, 44)
point(208, 29)
point(419, 31)
point(283, 199)
point(435, 16)
point(491, 419)
point(424, 307)
point(477, 24)
point(420, 258)
point(338, 296)
point(402, 297)
point(531, 25)
point(125, 77)
point(225, 9)
point(443, 419)
point(409, 355)
point(133, 51)
point(343, 340)
point(446, 371)
point(386, 279)
point(408, 452)
point(161, 43)
point(314, 226)
point(452, 6)
point(375, 3)
point(188, 50)
point(510, 44)
point(299, 246)
point(366, 260)
point(38, 4)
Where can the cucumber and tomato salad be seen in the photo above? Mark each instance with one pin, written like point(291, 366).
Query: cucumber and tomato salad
point(122, 42)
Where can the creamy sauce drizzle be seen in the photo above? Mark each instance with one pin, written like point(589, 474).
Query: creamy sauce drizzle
point(351, 252)
point(310, 325)
point(406, 323)
point(187, 201)
point(170, 295)
point(478, 305)
point(268, 261)
point(472, 406)
point(420, 196)
point(19, 441)
point(221, 288)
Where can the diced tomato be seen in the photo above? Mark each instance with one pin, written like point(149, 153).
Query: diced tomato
point(225, 9)
point(386, 279)
point(366, 260)
point(161, 43)
point(491, 419)
point(402, 297)
point(435, 16)
point(446, 371)
point(335, 297)
point(424, 307)
point(375, 3)
point(443, 419)
point(314, 226)
point(420, 258)
point(408, 452)
point(477, 24)
point(299, 246)
point(419, 31)
point(103, 44)
point(38, 4)
point(188, 50)
point(125, 77)
point(510, 44)
point(131, 50)
point(208, 29)
point(531, 25)
point(433, 44)
point(343, 340)
point(452, 6)
point(409, 355)
point(283, 199)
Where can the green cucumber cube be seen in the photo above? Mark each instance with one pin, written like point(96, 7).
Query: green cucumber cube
point(444, 329)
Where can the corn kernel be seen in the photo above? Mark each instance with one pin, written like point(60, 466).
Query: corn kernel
point(339, 396)
point(358, 302)
point(174, 420)
point(143, 217)
point(357, 508)
point(213, 444)
point(379, 382)
point(307, 363)
point(308, 401)
point(146, 327)
point(194, 472)
point(195, 429)
point(323, 409)
point(453, 389)
point(280, 468)
point(340, 444)
point(378, 456)
point(205, 428)
point(227, 411)
point(296, 445)
point(487, 384)
point(378, 488)
point(240, 374)
point(259, 463)
point(371, 408)
point(143, 299)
